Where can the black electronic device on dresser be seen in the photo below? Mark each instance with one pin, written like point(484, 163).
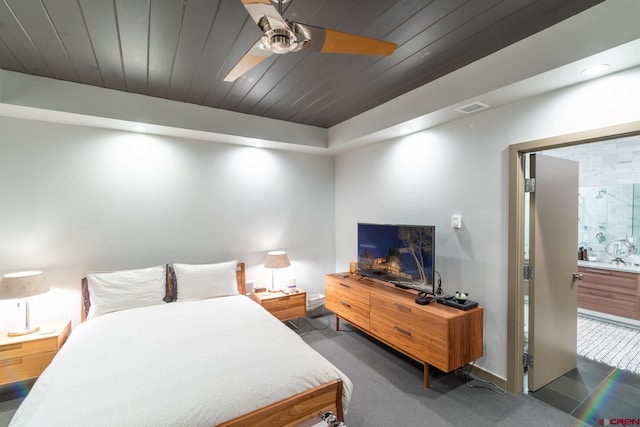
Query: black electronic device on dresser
point(460, 304)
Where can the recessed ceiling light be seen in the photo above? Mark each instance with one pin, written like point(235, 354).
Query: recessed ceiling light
point(595, 70)
point(139, 128)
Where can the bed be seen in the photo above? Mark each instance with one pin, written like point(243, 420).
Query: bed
point(186, 361)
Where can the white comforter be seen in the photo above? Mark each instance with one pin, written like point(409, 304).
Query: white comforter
point(195, 363)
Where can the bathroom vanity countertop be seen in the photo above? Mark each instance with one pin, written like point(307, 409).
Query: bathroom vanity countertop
point(629, 268)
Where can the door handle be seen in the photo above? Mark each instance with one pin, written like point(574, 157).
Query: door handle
point(577, 276)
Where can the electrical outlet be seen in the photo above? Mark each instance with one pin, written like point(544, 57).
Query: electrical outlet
point(456, 221)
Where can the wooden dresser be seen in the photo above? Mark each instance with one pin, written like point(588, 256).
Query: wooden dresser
point(26, 356)
point(433, 334)
point(609, 291)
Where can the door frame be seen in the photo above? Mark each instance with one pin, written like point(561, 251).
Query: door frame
point(515, 284)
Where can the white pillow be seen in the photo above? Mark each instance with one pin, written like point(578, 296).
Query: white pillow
point(121, 290)
point(202, 281)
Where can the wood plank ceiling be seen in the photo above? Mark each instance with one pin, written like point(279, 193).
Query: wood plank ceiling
point(182, 49)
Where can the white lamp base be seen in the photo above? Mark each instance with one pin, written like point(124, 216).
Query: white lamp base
point(20, 332)
point(273, 285)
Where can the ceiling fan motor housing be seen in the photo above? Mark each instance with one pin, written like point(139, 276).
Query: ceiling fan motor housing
point(279, 41)
point(277, 38)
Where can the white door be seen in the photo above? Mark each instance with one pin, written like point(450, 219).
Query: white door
point(553, 296)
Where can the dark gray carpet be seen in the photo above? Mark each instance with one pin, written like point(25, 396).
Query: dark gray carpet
point(388, 387)
point(9, 402)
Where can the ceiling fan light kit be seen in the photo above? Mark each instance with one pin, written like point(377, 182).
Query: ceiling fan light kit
point(282, 36)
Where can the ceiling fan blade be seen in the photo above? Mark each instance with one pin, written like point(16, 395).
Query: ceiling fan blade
point(256, 55)
point(259, 9)
point(331, 41)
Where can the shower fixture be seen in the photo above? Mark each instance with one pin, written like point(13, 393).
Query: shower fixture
point(601, 235)
point(600, 193)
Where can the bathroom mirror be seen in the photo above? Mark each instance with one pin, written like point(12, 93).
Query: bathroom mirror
point(619, 249)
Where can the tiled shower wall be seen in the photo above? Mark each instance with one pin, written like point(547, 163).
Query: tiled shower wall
point(609, 191)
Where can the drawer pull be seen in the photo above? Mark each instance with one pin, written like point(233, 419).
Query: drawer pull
point(403, 307)
point(9, 362)
point(11, 347)
point(597, 271)
point(600, 293)
point(345, 285)
point(402, 331)
point(345, 304)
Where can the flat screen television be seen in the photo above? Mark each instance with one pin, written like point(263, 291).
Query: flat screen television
point(400, 254)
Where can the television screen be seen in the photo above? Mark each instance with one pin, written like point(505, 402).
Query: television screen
point(400, 254)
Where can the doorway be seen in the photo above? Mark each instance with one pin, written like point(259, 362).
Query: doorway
point(516, 262)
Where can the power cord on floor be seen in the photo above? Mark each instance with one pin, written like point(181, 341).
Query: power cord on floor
point(491, 386)
point(344, 326)
point(314, 327)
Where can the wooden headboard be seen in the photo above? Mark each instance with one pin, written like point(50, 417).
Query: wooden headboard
point(171, 293)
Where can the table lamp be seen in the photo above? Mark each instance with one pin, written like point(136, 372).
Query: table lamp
point(23, 285)
point(275, 260)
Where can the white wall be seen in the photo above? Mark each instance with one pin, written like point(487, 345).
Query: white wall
point(76, 199)
point(462, 168)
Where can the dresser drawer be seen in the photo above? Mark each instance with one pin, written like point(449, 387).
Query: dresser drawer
point(27, 348)
point(608, 281)
point(418, 333)
point(607, 302)
point(609, 291)
point(347, 289)
point(348, 300)
point(288, 307)
point(22, 368)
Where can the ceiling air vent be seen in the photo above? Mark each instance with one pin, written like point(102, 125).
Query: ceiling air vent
point(472, 108)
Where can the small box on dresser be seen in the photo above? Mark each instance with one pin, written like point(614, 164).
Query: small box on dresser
point(25, 357)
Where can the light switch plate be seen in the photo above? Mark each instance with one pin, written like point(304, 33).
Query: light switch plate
point(456, 221)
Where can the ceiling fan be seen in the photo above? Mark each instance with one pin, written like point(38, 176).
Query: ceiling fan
point(283, 36)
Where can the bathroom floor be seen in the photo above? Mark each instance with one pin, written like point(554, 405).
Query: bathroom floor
point(594, 392)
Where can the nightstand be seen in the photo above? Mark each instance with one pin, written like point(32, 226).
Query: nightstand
point(25, 357)
point(281, 305)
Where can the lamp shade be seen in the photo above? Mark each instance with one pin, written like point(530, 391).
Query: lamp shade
point(277, 259)
point(23, 285)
